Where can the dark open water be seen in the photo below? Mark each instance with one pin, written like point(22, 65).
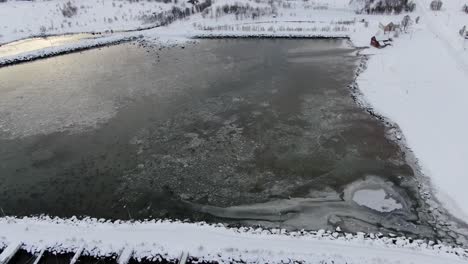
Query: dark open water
point(257, 132)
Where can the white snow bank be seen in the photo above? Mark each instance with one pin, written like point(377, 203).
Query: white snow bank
point(208, 242)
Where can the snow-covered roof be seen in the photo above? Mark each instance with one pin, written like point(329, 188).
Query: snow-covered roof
point(388, 20)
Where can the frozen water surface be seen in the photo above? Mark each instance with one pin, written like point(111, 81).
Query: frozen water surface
point(257, 132)
point(376, 199)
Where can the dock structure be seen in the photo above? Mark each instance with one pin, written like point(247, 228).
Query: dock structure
point(77, 255)
point(38, 258)
point(10, 252)
point(183, 257)
point(125, 255)
point(73, 241)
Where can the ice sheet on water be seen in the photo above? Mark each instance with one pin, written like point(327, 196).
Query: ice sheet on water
point(377, 200)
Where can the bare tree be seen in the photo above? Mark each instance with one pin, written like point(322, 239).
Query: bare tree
point(383, 6)
point(436, 5)
point(465, 8)
point(69, 10)
point(406, 22)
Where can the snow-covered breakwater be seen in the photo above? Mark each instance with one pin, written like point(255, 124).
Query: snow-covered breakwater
point(169, 239)
point(80, 45)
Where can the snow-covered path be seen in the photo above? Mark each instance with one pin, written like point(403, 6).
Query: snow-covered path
point(440, 35)
point(209, 242)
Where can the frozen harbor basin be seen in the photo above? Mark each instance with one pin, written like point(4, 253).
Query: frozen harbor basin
point(253, 132)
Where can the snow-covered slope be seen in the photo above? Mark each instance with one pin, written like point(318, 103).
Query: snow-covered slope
point(21, 19)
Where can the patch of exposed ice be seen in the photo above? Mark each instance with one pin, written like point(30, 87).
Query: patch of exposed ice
point(376, 200)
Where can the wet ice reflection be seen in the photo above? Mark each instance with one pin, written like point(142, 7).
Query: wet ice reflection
point(34, 44)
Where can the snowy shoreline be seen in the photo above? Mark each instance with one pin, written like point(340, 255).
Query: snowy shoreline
point(65, 49)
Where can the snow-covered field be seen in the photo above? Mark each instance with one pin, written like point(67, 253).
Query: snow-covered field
point(21, 19)
point(420, 83)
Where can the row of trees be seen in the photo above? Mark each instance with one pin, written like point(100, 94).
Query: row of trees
point(167, 17)
point(241, 11)
point(436, 5)
point(393, 6)
point(383, 6)
point(69, 10)
point(260, 28)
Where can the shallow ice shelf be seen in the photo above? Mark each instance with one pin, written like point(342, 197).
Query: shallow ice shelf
point(376, 199)
point(372, 204)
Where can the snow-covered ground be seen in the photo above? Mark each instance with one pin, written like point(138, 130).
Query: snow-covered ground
point(420, 83)
point(207, 242)
point(22, 19)
point(282, 18)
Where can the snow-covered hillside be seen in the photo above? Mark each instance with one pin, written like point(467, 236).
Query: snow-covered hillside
point(21, 19)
